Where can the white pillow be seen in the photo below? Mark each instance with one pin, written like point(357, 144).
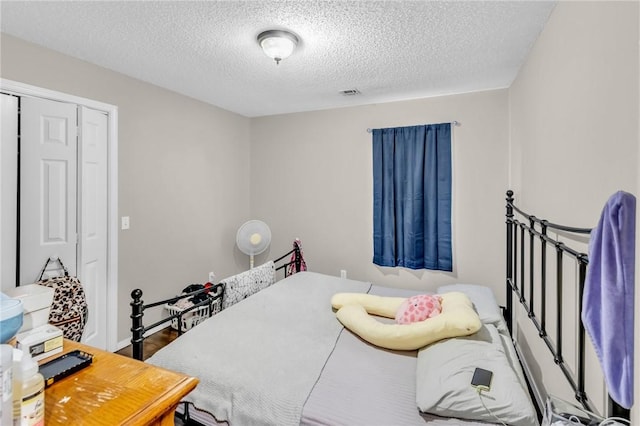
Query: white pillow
point(483, 300)
point(443, 380)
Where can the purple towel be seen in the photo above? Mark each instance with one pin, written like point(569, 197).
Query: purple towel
point(607, 311)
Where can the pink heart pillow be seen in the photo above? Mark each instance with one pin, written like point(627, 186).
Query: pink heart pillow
point(419, 308)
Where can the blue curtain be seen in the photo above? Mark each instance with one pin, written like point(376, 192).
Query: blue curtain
point(412, 197)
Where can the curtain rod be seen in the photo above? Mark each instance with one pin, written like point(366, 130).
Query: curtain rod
point(455, 123)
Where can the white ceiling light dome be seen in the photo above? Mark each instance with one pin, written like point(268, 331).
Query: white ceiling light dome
point(277, 44)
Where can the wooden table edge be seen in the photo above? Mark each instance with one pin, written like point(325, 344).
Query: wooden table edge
point(157, 410)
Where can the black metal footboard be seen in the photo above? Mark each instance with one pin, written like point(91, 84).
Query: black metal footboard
point(524, 231)
point(138, 330)
point(215, 296)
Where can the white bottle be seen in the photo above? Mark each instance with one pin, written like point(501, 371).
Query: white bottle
point(6, 385)
point(17, 387)
point(32, 392)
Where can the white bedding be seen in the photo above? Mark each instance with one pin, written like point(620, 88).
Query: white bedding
point(258, 360)
point(362, 384)
point(285, 362)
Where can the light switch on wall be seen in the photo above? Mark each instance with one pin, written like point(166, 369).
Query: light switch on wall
point(124, 222)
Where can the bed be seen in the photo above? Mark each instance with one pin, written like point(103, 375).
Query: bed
point(280, 356)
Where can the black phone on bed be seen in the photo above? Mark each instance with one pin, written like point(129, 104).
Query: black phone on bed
point(481, 379)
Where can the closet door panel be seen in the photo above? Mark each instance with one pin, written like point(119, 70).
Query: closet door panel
point(92, 259)
point(48, 188)
point(8, 190)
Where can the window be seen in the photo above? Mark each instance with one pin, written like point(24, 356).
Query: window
point(412, 197)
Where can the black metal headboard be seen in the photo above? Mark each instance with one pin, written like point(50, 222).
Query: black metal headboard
point(521, 282)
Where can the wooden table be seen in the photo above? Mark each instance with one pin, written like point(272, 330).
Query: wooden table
point(115, 390)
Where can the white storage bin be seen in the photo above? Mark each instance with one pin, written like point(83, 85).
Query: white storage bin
point(189, 319)
point(36, 301)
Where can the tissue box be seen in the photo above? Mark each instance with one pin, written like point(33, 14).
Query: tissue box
point(41, 342)
point(36, 303)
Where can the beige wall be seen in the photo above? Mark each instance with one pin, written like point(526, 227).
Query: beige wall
point(311, 177)
point(183, 173)
point(576, 98)
point(574, 125)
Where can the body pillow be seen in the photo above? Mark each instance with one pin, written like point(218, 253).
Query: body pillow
point(458, 318)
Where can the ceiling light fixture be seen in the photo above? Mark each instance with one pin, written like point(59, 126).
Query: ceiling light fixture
point(277, 44)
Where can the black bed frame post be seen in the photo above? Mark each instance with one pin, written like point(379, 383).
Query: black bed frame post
point(514, 258)
point(543, 279)
point(616, 410)
point(298, 257)
point(510, 261)
point(532, 224)
point(137, 329)
point(582, 272)
point(559, 292)
point(523, 282)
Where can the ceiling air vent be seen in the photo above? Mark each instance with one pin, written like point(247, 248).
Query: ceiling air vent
point(350, 92)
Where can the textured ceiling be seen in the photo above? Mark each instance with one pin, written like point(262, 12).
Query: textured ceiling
point(388, 50)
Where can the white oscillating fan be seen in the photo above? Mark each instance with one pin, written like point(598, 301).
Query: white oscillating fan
point(253, 238)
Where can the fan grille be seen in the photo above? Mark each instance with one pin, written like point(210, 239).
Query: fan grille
point(253, 237)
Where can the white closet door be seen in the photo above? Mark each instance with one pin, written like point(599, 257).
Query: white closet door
point(8, 189)
point(48, 152)
point(92, 260)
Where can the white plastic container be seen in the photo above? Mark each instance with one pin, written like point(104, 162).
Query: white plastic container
point(41, 342)
point(11, 316)
point(31, 397)
point(36, 301)
point(190, 319)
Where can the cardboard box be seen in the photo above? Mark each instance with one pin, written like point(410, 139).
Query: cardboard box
point(41, 342)
point(36, 303)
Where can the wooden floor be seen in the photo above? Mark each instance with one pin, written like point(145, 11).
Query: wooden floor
point(152, 343)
